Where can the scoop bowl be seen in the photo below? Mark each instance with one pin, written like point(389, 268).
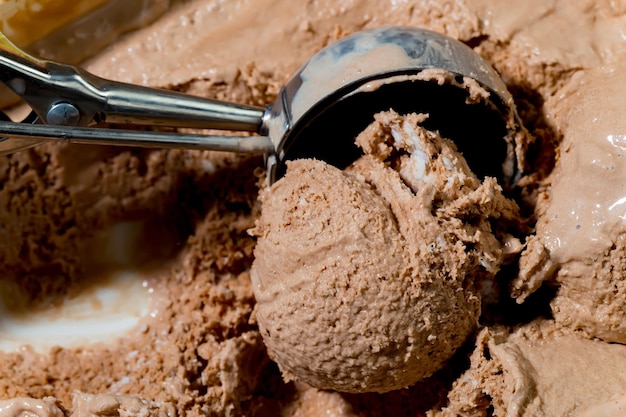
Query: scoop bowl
point(334, 95)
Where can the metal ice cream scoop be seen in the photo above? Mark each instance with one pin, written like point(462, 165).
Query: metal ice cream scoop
point(317, 114)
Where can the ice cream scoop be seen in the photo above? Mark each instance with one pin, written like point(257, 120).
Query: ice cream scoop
point(341, 87)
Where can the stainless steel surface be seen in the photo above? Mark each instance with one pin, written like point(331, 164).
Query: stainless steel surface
point(327, 81)
point(65, 95)
point(63, 114)
point(25, 136)
point(343, 68)
point(44, 84)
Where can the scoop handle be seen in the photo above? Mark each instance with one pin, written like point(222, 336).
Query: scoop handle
point(46, 84)
point(68, 98)
point(132, 104)
point(19, 136)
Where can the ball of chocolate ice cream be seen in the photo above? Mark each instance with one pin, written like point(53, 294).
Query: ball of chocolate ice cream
point(365, 279)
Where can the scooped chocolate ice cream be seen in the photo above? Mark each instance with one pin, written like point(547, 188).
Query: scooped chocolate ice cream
point(366, 280)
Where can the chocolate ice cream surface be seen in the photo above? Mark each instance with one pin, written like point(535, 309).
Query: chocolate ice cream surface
point(365, 279)
point(200, 343)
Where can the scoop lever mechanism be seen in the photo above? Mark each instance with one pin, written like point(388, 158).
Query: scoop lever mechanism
point(67, 102)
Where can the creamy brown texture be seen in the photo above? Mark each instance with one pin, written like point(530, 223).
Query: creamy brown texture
point(198, 333)
point(87, 405)
point(545, 29)
point(17, 407)
point(539, 370)
point(367, 280)
point(580, 237)
point(242, 37)
point(202, 352)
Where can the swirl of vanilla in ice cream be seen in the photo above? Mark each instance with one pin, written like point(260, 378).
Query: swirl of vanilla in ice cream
point(366, 279)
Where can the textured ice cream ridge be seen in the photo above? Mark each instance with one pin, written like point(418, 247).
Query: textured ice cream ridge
point(366, 280)
point(25, 406)
point(535, 370)
point(86, 405)
point(580, 244)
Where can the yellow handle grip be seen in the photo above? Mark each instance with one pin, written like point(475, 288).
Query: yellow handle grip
point(8, 47)
point(27, 21)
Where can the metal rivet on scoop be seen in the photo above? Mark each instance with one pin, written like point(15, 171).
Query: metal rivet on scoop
point(63, 114)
